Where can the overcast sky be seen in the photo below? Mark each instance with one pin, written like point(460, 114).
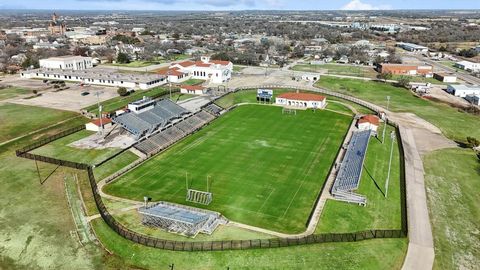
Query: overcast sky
point(237, 4)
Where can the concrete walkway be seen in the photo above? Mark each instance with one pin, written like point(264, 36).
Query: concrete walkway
point(420, 254)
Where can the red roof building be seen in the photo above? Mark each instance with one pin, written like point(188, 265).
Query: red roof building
point(370, 118)
point(301, 100)
point(95, 125)
point(368, 122)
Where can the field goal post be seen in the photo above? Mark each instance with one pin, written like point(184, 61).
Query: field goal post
point(198, 196)
point(289, 111)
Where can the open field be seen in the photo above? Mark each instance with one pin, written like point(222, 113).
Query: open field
point(16, 120)
point(380, 212)
point(60, 149)
point(119, 102)
point(114, 165)
point(348, 70)
point(453, 123)
point(36, 224)
point(452, 183)
point(11, 92)
point(420, 79)
point(370, 254)
point(257, 178)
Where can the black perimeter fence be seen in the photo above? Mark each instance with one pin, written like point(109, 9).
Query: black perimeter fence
point(224, 244)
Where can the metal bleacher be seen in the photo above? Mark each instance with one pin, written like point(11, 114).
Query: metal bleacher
point(145, 123)
point(205, 116)
point(181, 219)
point(213, 108)
point(168, 136)
point(350, 172)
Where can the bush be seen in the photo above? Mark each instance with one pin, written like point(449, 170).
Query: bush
point(122, 91)
point(123, 58)
point(404, 81)
point(472, 142)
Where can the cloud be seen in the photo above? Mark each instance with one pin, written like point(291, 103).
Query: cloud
point(359, 5)
point(214, 3)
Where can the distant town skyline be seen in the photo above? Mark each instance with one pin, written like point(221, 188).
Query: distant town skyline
point(237, 4)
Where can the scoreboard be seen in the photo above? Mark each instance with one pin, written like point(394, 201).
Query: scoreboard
point(264, 95)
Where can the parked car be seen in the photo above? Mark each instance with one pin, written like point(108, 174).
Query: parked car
point(85, 93)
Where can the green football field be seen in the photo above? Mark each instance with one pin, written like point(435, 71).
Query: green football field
point(266, 168)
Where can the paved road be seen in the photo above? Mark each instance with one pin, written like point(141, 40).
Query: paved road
point(461, 75)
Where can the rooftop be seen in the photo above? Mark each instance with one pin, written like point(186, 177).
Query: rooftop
point(192, 87)
point(104, 121)
point(68, 57)
point(101, 74)
point(369, 118)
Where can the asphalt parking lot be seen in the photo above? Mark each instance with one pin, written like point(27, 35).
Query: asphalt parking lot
point(70, 99)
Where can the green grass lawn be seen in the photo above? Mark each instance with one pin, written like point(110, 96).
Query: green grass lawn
point(453, 123)
point(62, 150)
point(451, 64)
point(338, 107)
point(380, 212)
point(113, 165)
point(119, 102)
point(17, 120)
point(11, 92)
point(371, 254)
point(179, 97)
point(266, 168)
point(452, 184)
point(420, 79)
point(348, 70)
point(36, 225)
point(193, 81)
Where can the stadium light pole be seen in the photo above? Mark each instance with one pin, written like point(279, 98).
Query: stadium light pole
point(392, 136)
point(385, 121)
point(98, 93)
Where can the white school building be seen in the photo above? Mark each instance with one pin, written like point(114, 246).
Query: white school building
point(96, 76)
point(215, 71)
point(67, 62)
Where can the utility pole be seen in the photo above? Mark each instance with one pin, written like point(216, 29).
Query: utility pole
point(208, 183)
point(169, 83)
point(99, 111)
point(385, 120)
point(392, 136)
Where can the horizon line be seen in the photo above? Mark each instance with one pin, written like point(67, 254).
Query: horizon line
point(237, 10)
